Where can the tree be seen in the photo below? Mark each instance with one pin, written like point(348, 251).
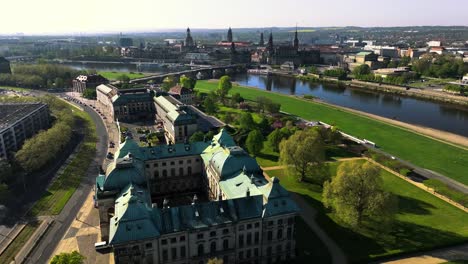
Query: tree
point(123, 78)
point(90, 93)
point(236, 98)
point(197, 137)
point(224, 86)
point(274, 139)
point(363, 69)
point(187, 82)
point(302, 152)
point(404, 61)
point(246, 121)
point(210, 105)
point(357, 192)
point(168, 83)
point(68, 258)
point(254, 142)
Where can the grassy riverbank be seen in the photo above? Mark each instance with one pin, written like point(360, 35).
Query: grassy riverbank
point(114, 76)
point(423, 221)
point(446, 159)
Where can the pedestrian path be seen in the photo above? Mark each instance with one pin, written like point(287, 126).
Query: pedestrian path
point(434, 256)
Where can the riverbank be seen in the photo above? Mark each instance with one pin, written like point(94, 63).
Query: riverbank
point(394, 89)
point(422, 150)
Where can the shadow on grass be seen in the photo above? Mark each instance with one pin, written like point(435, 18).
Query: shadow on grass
point(308, 246)
point(408, 205)
point(403, 237)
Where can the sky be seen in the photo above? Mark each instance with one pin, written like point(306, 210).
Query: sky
point(88, 16)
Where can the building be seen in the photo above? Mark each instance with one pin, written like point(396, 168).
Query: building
point(179, 121)
point(434, 43)
point(465, 79)
point(186, 203)
point(4, 66)
point(125, 42)
point(19, 122)
point(83, 82)
point(184, 95)
point(385, 72)
point(125, 104)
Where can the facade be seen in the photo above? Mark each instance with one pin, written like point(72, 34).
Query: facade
point(4, 66)
point(148, 216)
point(92, 81)
point(19, 122)
point(125, 104)
point(179, 121)
point(184, 95)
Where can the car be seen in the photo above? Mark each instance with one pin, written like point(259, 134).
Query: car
point(110, 155)
point(104, 117)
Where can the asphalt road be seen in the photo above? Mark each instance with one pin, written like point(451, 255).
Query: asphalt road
point(45, 248)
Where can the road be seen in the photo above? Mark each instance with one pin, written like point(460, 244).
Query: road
point(43, 251)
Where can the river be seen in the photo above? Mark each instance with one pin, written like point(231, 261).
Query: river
point(446, 117)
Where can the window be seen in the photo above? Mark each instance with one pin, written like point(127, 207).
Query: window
point(156, 173)
point(155, 164)
point(249, 226)
point(225, 244)
point(279, 234)
point(200, 236)
point(172, 163)
point(268, 251)
point(164, 242)
point(225, 259)
point(212, 233)
point(165, 255)
point(241, 254)
point(278, 248)
point(280, 221)
point(174, 253)
point(181, 171)
point(290, 221)
point(149, 245)
point(270, 235)
point(200, 250)
point(189, 171)
point(225, 231)
point(182, 251)
point(289, 233)
point(257, 225)
point(213, 247)
point(164, 173)
point(249, 238)
point(181, 162)
point(173, 172)
point(270, 223)
point(147, 165)
point(197, 160)
point(257, 237)
point(249, 253)
point(173, 240)
point(189, 161)
point(182, 238)
point(256, 252)
point(241, 240)
point(241, 227)
point(164, 163)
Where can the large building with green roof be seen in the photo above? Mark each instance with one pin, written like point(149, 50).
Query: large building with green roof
point(189, 202)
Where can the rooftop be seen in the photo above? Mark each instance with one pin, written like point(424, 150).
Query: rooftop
point(10, 113)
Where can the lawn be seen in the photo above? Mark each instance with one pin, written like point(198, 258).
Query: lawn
point(309, 246)
point(446, 159)
point(113, 76)
point(18, 89)
point(422, 223)
point(63, 187)
point(16, 245)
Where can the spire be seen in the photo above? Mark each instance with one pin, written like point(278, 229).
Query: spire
point(188, 39)
point(270, 42)
point(229, 35)
point(296, 40)
point(262, 41)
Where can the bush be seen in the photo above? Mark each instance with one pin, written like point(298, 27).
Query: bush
point(336, 73)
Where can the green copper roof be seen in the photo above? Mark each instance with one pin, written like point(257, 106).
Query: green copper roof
point(178, 114)
point(124, 99)
point(124, 171)
point(231, 160)
point(364, 53)
point(224, 139)
point(133, 218)
point(238, 186)
point(128, 146)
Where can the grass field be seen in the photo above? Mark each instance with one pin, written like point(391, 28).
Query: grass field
point(18, 89)
point(58, 194)
point(15, 246)
point(113, 76)
point(423, 221)
point(443, 158)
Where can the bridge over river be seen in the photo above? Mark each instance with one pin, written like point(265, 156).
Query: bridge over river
point(199, 73)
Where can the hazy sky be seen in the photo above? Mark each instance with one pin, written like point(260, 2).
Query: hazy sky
point(60, 16)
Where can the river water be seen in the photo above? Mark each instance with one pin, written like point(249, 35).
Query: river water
point(446, 117)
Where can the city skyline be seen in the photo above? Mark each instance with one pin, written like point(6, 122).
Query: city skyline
point(106, 16)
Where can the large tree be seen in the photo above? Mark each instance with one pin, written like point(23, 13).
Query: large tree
point(246, 121)
point(187, 82)
point(224, 86)
point(274, 139)
point(68, 258)
point(363, 69)
point(210, 105)
point(254, 142)
point(302, 153)
point(356, 192)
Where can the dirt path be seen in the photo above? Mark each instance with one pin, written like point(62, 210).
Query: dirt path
point(434, 256)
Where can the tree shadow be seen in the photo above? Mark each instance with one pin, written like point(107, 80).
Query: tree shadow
point(408, 205)
point(269, 157)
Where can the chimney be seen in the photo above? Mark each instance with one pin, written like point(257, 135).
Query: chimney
point(247, 192)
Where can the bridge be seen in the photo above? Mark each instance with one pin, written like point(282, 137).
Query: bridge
point(198, 73)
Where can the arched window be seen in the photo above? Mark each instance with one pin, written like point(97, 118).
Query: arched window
point(156, 173)
point(200, 250)
point(181, 171)
point(213, 247)
point(225, 244)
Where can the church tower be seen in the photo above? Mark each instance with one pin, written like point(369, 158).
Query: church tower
point(229, 35)
point(189, 39)
point(262, 41)
point(296, 41)
point(270, 42)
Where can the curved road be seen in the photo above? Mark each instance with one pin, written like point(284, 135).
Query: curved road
point(45, 248)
